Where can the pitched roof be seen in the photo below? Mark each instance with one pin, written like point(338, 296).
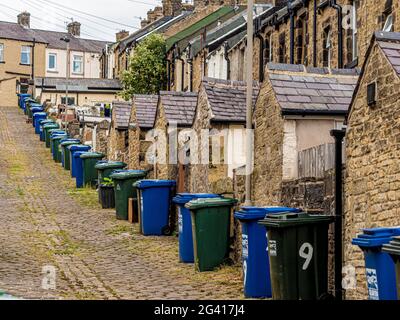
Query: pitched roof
point(390, 45)
point(14, 31)
point(227, 99)
point(179, 107)
point(122, 113)
point(146, 107)
point(126, 42)
point(301, 90)
point(199, 25)
point(78, 84)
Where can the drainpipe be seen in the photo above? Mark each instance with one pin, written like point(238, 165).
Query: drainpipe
point(168, 75)
point(339, 10)
point(33, 58)
point(228, 61)
point(339, 136)
point(315, 34)
point(291, 12)
point(190, 63)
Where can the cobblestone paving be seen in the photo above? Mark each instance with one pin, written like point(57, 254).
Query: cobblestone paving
point(45, 221)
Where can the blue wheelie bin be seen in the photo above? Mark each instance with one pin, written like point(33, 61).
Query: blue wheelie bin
point(63, 145)
point(37, 117)
point(36, 110)
point(72, 149)
point(379, 267)
point(21, 97)
point(255, 260)
point(186, 252)
point(77, 167)
point(154, 198)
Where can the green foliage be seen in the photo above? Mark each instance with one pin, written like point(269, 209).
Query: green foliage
point(147, 71)
point(107, 182)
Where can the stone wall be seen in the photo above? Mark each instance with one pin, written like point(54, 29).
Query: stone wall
point(102, 137)
point(117, 143)
point(372, 184)
point(268, 143)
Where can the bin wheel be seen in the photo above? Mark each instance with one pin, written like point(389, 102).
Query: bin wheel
point(166, 231)
point(326, 297)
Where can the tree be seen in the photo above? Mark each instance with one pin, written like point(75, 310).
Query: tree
point(147, 71)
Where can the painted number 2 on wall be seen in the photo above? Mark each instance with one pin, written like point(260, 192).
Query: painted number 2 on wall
point(306, 252)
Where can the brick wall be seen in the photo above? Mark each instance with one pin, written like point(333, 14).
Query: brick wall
point(372, 184)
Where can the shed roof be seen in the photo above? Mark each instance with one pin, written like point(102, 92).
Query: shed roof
point(179, 107)
point(301, 90)
point(78, 84)
point(390, 45)
point(122, 113)
point(227, 99)
point(146, 107)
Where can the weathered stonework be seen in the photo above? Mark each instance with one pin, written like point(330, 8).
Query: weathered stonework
point(372, 183)
point(102, 129)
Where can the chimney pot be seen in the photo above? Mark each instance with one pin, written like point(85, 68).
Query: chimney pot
point(121, 35)
point(74, 29)
point(24, 19)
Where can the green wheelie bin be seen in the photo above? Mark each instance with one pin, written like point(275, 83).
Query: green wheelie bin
point(211, 219)
point(393, 248)
point(55, 144)
point(298, 255)
point(89, 161)
point(105, 168)
point(65, 154)
point(124, 189)
point(46, 129)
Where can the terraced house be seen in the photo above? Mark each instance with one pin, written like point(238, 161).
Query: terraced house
point(43, 54)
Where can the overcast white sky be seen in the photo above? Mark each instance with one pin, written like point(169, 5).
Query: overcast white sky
point(54, 14)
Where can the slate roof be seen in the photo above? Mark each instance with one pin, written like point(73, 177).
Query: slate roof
point(122, 113)
point(179, 107)
point(301, 90)
point(390, 45)
point(14, 31)
point(227, 99)
point(77, 84)
point(146, 107)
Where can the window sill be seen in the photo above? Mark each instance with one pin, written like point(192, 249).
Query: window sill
point(2, 62)
point(52, 71)
point(353, 64)
point(25, 64)
point(77, 74)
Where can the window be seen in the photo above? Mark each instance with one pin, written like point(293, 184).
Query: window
point(52, 62)
point(301, 41)
point(388, 26)
point(355, 29)
point(71, 101)
point(268, 50)
point(282, 48)
point(1, 52)
point(77, 64)
point(25, 55)
point(327, 47)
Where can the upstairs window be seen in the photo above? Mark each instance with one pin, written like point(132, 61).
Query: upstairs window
point(388, 26)
point(77, 65)
point(327, 48)
point(268, 50)
point(387, 17)
point(1, 52)
point(26, 55)
point(52, 62)
point(354, 27)
point(301, 41)
point(282, 48)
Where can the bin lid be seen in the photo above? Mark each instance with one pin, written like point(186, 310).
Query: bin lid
point(40, 114)
point(183, 198)
point(78, 154)
point(292, 219)
point(36, 109)
point(69, 142)
point(92, 155)
point(375, 237)
point(209, 203)
point(128, 174)
point(110, 165)
point(51, 125)
point(393, 248)
point(59, 137)
point(257, 213)
point(78, 147)
point(46, 121)
point(56, 131)
point(145, 184)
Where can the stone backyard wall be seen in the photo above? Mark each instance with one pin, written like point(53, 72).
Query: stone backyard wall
point(102, 137)
point(372, 184)
point(268, 148)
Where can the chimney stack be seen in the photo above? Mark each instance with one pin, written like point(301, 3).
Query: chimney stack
point(121, 35)
point(74, 29)
point(24, 19)
point(172, 8)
